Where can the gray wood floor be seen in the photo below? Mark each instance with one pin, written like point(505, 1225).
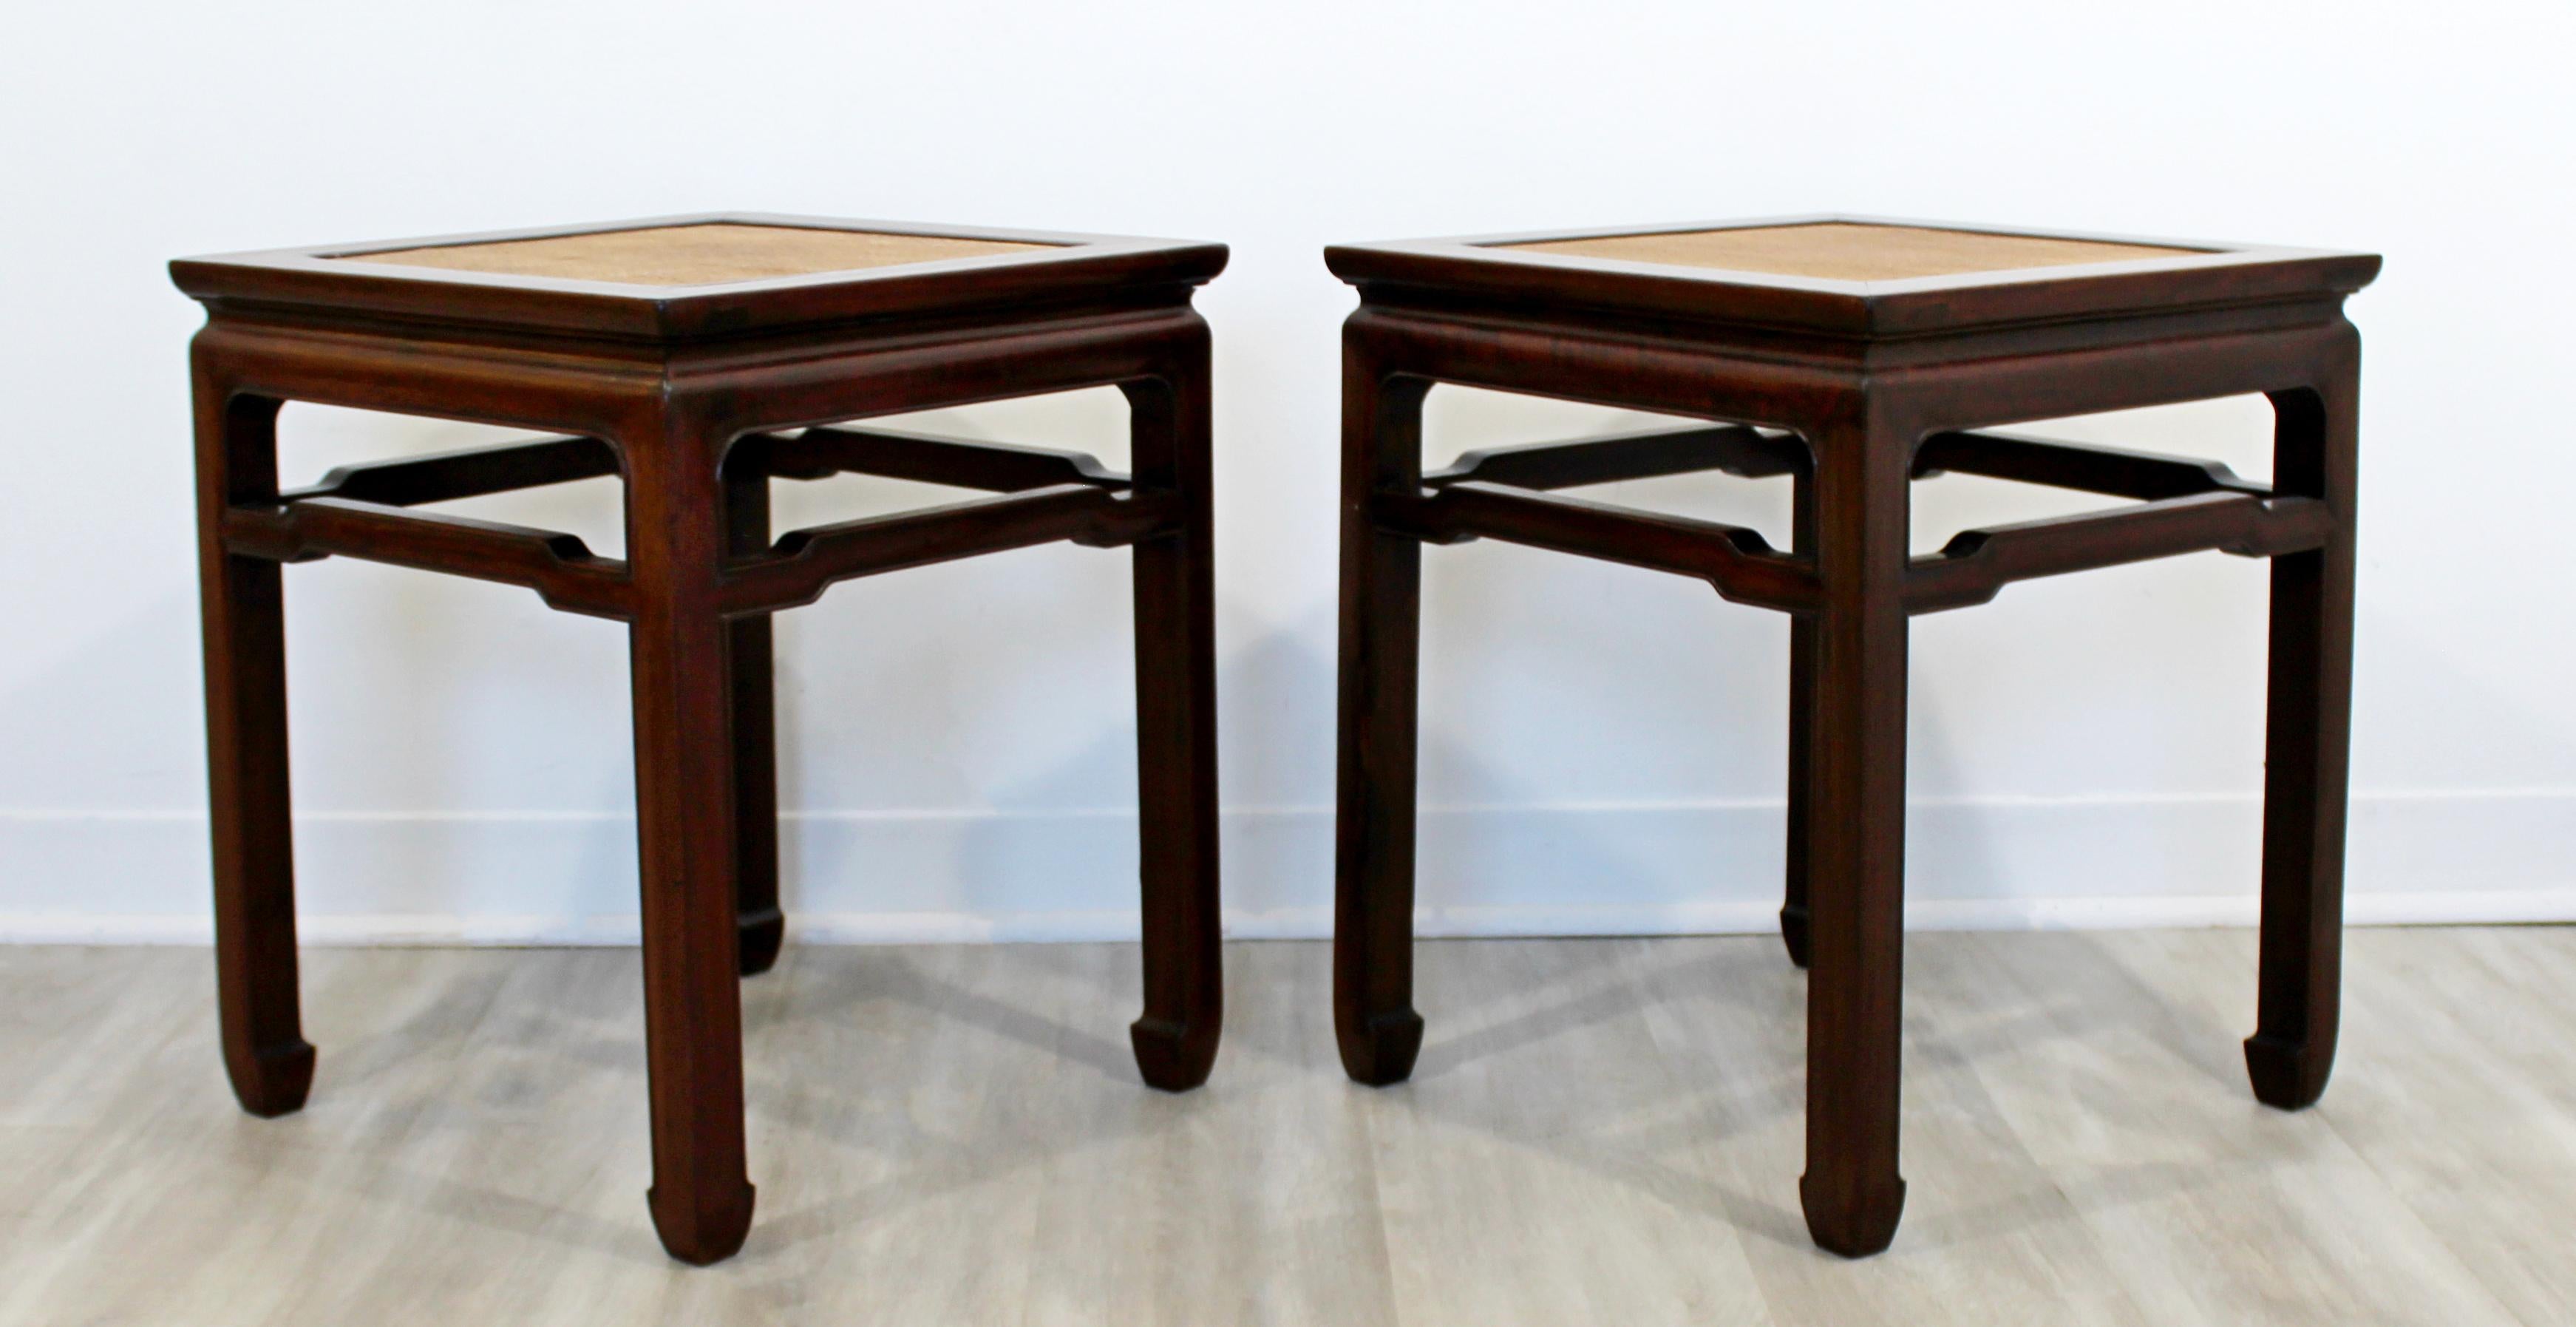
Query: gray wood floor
point(1600, 1132)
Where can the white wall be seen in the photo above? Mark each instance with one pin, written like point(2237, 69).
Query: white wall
point(1602, 748)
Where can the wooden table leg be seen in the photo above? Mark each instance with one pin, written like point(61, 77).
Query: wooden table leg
point(2307, 753)
point(751, 674)
point(684, 789)
point(1855, 836)
point(243, 609)
point(1175, 1041)
point(1802, 728)
point(1381, 619)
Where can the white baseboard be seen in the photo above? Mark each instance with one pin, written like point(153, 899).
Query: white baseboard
point(881, 877)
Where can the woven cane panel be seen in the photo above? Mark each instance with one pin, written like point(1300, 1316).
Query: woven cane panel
point(1850, 251)
point(709, 254)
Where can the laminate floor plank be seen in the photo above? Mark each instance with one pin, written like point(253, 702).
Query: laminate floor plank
point(1987, 1237)
point(2463, 1098)
point(1544, 1164)
point(2130, 1088)
point(75, 1016)
point(1598, 1130)
point(1134, 1228)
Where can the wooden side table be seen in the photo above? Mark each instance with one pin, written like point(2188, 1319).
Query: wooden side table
point(1856, 355)
point(698, 357)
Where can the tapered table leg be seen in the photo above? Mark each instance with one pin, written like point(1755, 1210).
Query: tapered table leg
point(243, 608)
point(1855, 836)
point(2307, 753)
point(1176, 1039)
point(1381, 606)
point(751, 674)
point(684, 786)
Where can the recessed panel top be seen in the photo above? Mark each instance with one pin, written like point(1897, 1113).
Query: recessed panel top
point(1851, 251)
point(714, 253)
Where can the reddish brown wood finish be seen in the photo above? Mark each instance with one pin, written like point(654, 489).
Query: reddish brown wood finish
point(2307, 749)
point(1855, 390)
point(1381, 645)
point(243, 601)
point(1175, 589)
point(752, 677)
point(696, 395)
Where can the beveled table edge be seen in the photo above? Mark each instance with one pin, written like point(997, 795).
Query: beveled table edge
point(334, 278)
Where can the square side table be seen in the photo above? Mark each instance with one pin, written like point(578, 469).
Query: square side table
point(697, 358)
point(1856, 355)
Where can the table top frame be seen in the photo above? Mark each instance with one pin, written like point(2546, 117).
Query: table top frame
point(333, 281)
point(1479, 272)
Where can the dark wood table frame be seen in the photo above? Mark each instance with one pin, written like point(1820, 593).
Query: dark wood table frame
point(1854, 390)
point(697, 398)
